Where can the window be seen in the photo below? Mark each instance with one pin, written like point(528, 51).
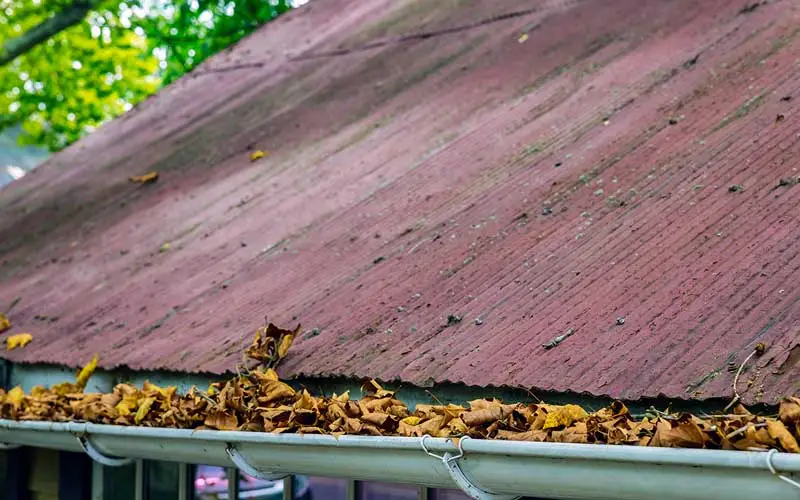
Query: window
point(321, 488)
point(161, 480)
point(387, 491)
point(118, 482)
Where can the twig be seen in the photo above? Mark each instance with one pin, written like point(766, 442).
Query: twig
point(12, 304)
point(736, 396)
point(204, 396)
point(433, 396)
point(533, 395)
point(743, 429)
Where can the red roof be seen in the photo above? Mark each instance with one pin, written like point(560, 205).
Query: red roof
point(614, 174)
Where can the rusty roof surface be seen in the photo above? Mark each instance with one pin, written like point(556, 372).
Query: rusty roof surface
point(449, 187)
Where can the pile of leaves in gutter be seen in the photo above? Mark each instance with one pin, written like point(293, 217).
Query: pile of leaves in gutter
point(256, 400)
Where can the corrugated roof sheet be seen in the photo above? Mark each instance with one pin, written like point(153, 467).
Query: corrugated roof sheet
point(577, 178)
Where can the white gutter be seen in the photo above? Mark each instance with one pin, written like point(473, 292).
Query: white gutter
point(544, 470)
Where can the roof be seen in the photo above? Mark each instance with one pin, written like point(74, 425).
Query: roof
point(613, 173)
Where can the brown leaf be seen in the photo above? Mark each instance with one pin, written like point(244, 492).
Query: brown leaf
point(789, 411)
point(779, 432)
point(573, 434)
point(678, 434)
point(373, 388)
point(270, 344)
point(538, 435)
point(147, 178)
point(383, 421)
point(275, 391)
point(222, 421)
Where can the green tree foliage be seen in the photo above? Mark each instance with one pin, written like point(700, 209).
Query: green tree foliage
point(112, 55)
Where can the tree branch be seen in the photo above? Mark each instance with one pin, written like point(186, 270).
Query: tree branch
point(68, 17)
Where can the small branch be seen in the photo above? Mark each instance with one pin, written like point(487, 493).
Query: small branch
point(45, 30)
point(743, 429)
point(736, 396)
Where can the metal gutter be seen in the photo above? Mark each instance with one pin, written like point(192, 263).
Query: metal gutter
point(545, 470)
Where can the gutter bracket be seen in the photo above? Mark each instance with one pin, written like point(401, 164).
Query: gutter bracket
point(242, 464)
point(98, 457)
point(775, 472)
point(463, 482)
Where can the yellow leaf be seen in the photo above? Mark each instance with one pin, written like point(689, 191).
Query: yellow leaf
point(127, 404)
point(144, 408)
point(286, 343)
point(65, 388)
point(411, 420)
point(18, 340)
point(86, 372)
point(522, 38)
point(257, 155)
point(165, 247)
point(211, 390)
point(5, 323)
point(15, 396)
point(564, 416)
point(147, 178)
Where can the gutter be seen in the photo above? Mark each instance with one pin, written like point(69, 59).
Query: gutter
point(506, 469)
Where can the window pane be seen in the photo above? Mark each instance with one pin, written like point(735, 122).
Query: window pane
point(320, 488)
point(211, 481)
point(161, 479)
point(119, 483)
point(443, 494)
point(387, 491)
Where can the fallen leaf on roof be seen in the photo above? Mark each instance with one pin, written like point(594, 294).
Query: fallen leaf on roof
point(18, 340)
point(165, 247)
point(257, 155)
point(522, 38)
point(5, 323)
point(271, 344)
point(147, 178)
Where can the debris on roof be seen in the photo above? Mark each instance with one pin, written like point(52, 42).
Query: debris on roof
point(259, 401)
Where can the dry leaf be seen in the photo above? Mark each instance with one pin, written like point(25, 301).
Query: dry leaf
point(563, 416)
point(18, 340)
point(789, 411)
point(86, 372)
point(779, 432)
point(258, 401)
point(144, 409)
point(15, 397)
point(222, 421)
point(147, 178)
point(257, 155)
